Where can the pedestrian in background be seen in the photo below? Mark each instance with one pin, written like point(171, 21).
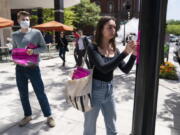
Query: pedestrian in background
point(82, 46)
point(63, 47)
point(77, 36)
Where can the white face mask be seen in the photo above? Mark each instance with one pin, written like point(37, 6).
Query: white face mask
point(25, 24)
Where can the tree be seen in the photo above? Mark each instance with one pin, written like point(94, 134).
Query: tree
point(69, 16)
point(173, 22)
point(173, 29)
point(87, 14)
point(48, 15)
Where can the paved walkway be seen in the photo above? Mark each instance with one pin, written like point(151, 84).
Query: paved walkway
point(68, 120)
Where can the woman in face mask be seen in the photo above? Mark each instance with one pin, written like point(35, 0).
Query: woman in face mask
point(33, 41)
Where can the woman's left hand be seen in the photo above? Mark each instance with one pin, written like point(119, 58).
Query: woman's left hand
point(134, 51)
point(134, 48)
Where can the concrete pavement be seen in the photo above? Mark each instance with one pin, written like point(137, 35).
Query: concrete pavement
point(68, 120)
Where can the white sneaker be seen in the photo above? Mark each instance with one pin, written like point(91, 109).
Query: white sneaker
point(51, 122)
point(25, 121)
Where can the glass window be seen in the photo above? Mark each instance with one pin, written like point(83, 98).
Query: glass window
point(98, 3)
point(110, 7)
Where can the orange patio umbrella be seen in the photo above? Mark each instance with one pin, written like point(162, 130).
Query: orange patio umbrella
point(53, 26)
point(5, 22)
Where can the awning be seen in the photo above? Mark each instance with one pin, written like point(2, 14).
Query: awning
point(24, 4)
point(53, 26)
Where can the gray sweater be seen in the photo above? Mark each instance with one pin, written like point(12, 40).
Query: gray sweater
point(34, 36)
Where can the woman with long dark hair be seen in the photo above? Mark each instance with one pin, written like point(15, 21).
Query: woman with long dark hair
point(105, 58)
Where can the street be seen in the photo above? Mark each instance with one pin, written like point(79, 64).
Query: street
point(68, 120)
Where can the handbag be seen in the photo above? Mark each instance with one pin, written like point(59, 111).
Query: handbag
point(78, 89)
point(20, 56)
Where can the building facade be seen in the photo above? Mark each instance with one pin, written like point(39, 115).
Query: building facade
point(120, 9)
point(9, 9)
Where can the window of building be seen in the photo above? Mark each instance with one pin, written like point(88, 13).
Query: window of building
point(110, 7)
point(98, 3)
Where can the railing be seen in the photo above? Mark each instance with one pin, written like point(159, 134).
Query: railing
point(4, 51)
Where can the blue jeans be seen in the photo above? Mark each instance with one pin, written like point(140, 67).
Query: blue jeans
point(62, 53)
point(102, 99)
point(32, 73)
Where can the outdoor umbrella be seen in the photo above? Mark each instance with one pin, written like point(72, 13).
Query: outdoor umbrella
point(53, 26)
point(5, 22)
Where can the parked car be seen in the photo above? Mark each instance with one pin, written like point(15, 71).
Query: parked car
point(173, 39)
point(177, 51)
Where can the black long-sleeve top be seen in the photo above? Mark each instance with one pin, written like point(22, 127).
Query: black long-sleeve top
point(63, 42)
point(105, 66)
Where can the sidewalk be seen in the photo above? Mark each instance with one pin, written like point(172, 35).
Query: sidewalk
point(68, 120)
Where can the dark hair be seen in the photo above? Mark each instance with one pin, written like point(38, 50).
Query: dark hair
point(99, 29)
point(22, 13)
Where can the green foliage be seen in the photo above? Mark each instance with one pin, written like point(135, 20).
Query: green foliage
point(173, 22)
point(81, 15)
point(174, 29)
point(34, 18)
point(87, 14)
point(48, 14)
point(69, 16)
point(166, 50)
point(168, 71)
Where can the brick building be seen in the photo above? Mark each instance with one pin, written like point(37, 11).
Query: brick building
point(118, 8)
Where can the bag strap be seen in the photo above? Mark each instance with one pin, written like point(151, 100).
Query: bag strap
point(85, 56)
